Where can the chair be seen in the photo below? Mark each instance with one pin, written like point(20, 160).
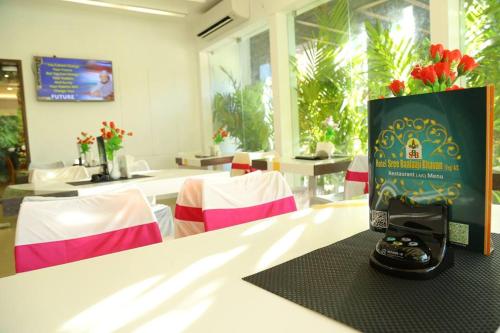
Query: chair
point(241, 165)
point(140, 166)
point(356, 179)
point(66, 174)
point(52, 165)
point(188, 211)
point(162, 212)
point(251, 197)
point(56, 231)
point(11, 170)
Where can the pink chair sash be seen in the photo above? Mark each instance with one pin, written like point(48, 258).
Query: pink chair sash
point(247, 168)
point(222, 218)
point(246, 198)
point(185, 213)
point(361, 177)
point(54, 231)
point(35, 256)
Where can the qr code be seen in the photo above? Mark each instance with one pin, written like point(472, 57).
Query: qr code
point(378, 219)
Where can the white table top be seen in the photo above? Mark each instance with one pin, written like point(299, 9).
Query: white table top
point(192, 284)
point(191, 159)
point(305, 167)
point(160, 182)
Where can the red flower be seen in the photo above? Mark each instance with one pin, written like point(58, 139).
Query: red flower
point(451, 56)
point(466, 65)
point(105, 123)
point(123, 132)
point(397, 87)
point(109, 135)
point(112, 124)
point(443, 72)
point(436, 52)
point(130, 133)
point(454, 87)
point(416, 73)
point(381, 97)
point(428, 75)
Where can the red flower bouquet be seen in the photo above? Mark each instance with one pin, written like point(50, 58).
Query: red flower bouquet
point(440, 73)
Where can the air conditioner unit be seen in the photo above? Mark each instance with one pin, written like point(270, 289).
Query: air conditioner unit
point(223, 16)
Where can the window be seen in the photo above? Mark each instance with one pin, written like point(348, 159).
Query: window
point(480, 27)
point(240, 84)
point(347, 52)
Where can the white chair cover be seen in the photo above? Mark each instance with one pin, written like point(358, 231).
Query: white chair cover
point(165, 219)
point(140, 166)
point(188, 212)
point(251, 197)
point(242, 164)
point(67, 174)
point(356, 179)
point(163, 213)
point(54, 231)
point(53, 165)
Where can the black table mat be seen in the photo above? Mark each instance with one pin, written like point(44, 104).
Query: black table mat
point(87, 182)
point(338, 282)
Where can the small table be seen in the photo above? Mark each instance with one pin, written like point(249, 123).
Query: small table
point(310, 168)
point(191, 160)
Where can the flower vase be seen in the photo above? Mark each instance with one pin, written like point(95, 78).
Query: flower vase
point(228, 146)
point(88, 158)
point(115, 169)
point(215, 150)
point(325, 148)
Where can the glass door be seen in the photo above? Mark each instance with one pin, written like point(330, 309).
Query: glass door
point(14, 148)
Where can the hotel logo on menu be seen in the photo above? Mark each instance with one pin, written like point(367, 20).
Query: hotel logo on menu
point(413, 149)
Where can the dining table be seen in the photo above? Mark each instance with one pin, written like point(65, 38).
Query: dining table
point(309, 168)
point(152, 183)
point(207, 161)
point(192, 284)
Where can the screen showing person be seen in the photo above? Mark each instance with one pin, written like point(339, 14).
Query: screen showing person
point(104, 88)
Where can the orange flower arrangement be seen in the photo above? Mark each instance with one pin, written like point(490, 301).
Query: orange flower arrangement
point(85, 142)
point(113, 138)
point(220, 135)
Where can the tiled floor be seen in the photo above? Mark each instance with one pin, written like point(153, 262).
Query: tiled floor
point(7, 252)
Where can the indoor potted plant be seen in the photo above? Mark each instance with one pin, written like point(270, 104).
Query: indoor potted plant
point(113, 140)
point(84, 145)
point(219, 137)
point(325, 146)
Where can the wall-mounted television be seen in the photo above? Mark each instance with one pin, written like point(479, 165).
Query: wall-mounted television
point(66, 80)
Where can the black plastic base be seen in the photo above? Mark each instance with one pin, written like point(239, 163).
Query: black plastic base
point(429, 272)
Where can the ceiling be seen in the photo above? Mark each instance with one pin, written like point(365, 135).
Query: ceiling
point(179, 6)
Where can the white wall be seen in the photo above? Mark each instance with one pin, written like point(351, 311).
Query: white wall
point(155, 71)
